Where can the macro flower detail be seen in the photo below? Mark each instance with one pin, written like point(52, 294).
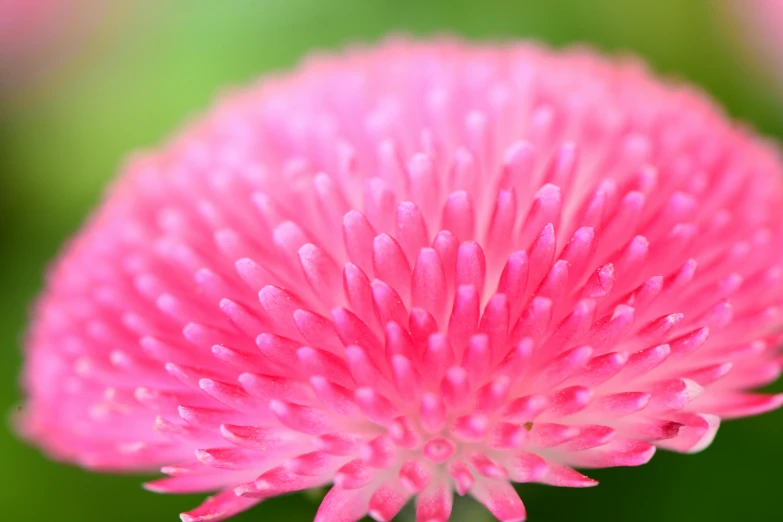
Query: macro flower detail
point(413, 271)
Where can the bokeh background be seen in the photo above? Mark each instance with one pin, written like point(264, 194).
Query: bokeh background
point(123, 77)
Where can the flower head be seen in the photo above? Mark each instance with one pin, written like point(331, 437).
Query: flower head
point(415, 270)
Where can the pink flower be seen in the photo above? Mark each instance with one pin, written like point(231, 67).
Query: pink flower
point(412, 270)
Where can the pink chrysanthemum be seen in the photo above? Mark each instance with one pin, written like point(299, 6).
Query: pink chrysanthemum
point(413, 270)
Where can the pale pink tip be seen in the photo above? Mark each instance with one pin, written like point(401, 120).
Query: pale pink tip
point(416, 270)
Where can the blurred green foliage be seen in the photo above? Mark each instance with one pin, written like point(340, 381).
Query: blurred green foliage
point(62, 138)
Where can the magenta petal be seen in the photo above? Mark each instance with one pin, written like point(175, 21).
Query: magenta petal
point(219, 507)
point(341, 505)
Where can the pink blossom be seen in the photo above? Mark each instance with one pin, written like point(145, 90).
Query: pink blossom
point(414, 270)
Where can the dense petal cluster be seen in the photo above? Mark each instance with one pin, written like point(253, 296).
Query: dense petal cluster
point(414, 270)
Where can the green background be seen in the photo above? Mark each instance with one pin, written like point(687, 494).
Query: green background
point(62, 135)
